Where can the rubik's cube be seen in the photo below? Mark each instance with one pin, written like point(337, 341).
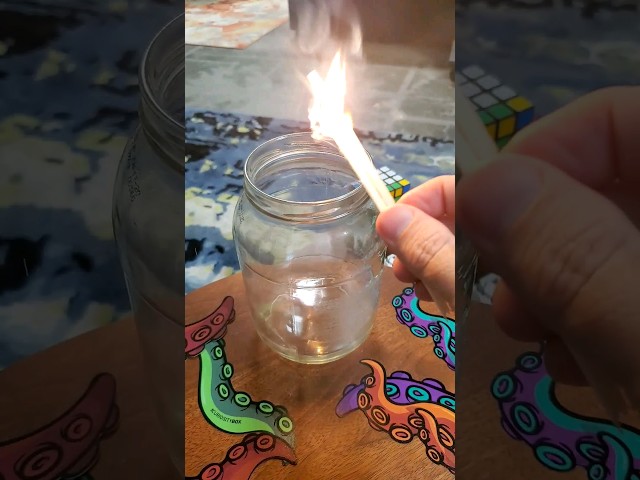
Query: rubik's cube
point(396, 184)
point(501, 109)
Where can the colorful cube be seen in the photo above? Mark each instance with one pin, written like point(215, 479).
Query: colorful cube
point(500, 108)
point(396, 184)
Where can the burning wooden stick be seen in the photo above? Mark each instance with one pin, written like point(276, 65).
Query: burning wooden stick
point(329, 119)
point(474, 147)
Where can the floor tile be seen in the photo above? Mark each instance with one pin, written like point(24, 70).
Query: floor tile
point(395, 88)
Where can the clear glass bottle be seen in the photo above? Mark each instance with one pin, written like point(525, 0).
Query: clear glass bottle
point(148, 222)
point(466, 268)
point(311, 260)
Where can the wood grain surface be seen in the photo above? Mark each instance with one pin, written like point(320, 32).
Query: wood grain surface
point(327, 447)
point(40, 388)
point(483, 450)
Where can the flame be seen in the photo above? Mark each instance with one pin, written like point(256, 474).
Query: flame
point(329, 118)
point(327, 113)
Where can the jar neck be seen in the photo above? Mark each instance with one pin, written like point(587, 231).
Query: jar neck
point(300, 179)
point(161, 80)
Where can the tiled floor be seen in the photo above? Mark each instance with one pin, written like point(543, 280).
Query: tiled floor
point(398, 89)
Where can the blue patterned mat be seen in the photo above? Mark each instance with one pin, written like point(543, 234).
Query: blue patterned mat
point(68, 73)
point(217, 146)
point(59, 272)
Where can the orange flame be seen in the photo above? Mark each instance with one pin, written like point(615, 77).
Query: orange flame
point(327, 110)
point(329, 119)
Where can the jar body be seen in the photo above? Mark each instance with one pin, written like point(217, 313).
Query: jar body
point(466, 269)
point(141, 189)
point(310, 257)
point(148, 222)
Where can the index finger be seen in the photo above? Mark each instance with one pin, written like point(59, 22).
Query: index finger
point(594, 139)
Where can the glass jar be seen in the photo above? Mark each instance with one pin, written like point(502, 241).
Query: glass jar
point(311, 260)
point(466, 268)
point(148, 222)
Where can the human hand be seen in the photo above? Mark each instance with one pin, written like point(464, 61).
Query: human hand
point(419, 231)
point(556, 216)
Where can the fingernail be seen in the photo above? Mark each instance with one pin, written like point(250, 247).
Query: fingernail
point(393, 222)
point(491, 201)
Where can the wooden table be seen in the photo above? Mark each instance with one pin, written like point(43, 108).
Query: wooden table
point(326, 446)
point(42, 388)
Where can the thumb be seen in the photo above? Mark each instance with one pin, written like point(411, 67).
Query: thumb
point(424, 246)
point(568, 253)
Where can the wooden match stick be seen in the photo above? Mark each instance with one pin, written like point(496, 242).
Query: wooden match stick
point(360, 162)
point(354, 152)
point(474, 147)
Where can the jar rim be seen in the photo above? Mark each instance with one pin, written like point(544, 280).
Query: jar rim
point(306, 139)
point(145, 87)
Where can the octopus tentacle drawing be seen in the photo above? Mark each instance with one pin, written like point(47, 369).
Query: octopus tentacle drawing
point(243, 458)
point(442, 330)
point(404, 409)
point(211, 327)
point(68, 446)
point(232, 411)
point(562, 440)
point(400, 388)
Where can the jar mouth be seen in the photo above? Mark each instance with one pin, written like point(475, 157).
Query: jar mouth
point(275, 163)
point(161, 79)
